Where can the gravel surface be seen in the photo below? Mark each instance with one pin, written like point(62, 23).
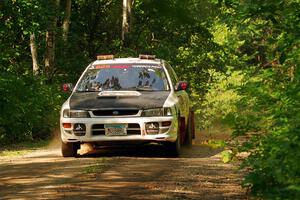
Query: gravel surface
point(121, 173)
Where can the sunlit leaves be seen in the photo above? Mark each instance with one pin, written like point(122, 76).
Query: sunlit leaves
point(268, 112)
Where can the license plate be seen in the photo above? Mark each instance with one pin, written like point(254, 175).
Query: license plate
point(115, 129)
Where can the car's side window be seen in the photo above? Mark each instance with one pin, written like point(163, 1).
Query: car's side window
point(172, 74)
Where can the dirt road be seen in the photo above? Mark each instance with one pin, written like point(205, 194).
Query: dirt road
point(146, 173)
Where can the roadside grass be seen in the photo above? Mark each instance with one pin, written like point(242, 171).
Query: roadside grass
point(217, 137)
point(216, 144)
point(22, 148)
point(226, 155)
point(100, 166)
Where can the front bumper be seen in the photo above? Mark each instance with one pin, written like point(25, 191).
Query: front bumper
point(139, 134)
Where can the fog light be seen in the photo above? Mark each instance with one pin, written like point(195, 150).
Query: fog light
point(152, 128)
point(67, 125)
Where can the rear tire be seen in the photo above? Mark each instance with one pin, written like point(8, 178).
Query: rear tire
point(69, 149)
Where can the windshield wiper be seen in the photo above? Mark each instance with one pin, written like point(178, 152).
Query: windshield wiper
point(143, 89)
point(86, 91)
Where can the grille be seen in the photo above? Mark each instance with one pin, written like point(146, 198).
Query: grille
point(133, 129)
point(115, 112)
point(98, 129)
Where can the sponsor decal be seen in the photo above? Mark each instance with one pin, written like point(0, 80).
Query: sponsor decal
point(147, 66)
point(110, 66)
point(124, 66)
point(101, 66)
point(119, 66)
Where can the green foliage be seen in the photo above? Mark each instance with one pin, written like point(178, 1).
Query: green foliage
point(18, 20)
point(215, 144)
point(22, 148)
point(29, 109)
point(220, 101)
point(227, 156)
point(275, 120)
point(262, 44)
point(100, 167)
point(174, 30)
point(241, 59)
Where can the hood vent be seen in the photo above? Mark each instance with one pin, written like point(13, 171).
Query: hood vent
point(119, 94)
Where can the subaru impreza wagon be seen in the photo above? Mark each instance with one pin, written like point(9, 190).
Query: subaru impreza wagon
point(126, 100)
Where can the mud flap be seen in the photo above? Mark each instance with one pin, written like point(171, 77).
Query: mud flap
point(182, 130)
point(192, 116)
point(190, 131)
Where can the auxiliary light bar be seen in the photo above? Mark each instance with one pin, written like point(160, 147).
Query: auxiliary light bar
point(105, 57)
point(147, 57)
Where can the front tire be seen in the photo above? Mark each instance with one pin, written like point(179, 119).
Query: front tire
point(69, 149)
point(173, 148)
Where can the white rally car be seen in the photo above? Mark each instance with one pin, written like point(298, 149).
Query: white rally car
point(126, 100)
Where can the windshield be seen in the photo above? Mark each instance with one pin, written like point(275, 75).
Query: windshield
point(123, 77)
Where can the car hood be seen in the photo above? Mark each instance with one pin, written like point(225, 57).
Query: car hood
point(92, 100)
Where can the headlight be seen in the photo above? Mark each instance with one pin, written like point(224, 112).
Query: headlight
point(75, 114)
point(157, 112)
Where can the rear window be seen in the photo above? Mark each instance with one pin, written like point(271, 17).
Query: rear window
point(123, 77)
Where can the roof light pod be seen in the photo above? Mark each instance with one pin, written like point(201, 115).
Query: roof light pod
point(105, 57)
point(147, 57)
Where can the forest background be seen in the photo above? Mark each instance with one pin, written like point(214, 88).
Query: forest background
point(241, 59)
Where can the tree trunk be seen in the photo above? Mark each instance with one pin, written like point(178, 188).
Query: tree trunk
point(33, 49)
point(50, 43)
point(50, 52)
point(129, 17)
point(66, 22)
point(124, 21)
point(126, 18)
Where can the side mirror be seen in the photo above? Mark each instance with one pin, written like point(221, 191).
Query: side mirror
point(67, 87)
point(181, 85)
